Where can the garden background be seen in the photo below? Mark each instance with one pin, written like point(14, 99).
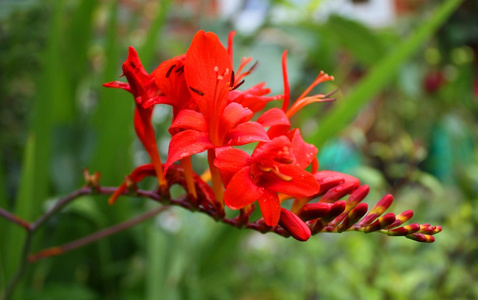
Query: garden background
point(405, 122)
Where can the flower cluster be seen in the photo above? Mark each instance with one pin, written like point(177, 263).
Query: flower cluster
point(211, 113)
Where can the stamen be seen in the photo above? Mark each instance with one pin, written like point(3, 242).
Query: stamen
point(221, 77)
point(238, 85)
point(319, 79)
point(170, 70)
point(285, 101)
point(197, 91)
point(299, 104)
point(251, 68)
point(233, 80)
point(265, 169)
point(244, 62)
point(284, 177)
point(331, 93)
point(230, 42)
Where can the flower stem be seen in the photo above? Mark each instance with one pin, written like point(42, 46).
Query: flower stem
point(145, 132)
point(216, 182)
point(189, 176)
point(95, 236)
point(14, 219)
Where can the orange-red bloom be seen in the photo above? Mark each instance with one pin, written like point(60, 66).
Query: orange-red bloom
point(144, 90)
point(209, 76)
point(211, 113)
point(272, 168)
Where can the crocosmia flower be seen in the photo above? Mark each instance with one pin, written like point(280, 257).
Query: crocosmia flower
point(144, 90)
point(217, 123)
point(211, 113)
point(271, 169)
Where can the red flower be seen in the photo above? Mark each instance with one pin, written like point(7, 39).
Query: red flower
point(209, 75)
point(140, 83)
point(144, 91)
point(272, 168)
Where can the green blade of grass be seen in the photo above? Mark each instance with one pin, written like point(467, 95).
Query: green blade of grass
point(3, 223)
point(154, 32)
point(379, 76)
point(113, 120)
point(15, 235)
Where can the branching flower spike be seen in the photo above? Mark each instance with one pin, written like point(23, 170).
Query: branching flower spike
point(211, 113)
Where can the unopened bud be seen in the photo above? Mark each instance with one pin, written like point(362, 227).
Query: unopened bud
point(312, 211)
point(294, 225)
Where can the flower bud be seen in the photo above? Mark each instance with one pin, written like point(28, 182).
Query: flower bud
point(294, 225)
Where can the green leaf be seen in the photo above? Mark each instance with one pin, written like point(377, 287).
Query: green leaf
point(379, 76)
point(355, 37)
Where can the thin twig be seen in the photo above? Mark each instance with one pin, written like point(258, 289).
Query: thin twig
point(95, 236)
point(15, 219)
point(60, 204)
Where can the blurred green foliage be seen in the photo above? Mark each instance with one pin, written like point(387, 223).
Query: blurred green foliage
point(407, 99)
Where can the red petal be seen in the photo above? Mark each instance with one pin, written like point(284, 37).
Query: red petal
point(187, 143)
point(347, 178)
point(303, 184)
point(253, 98)
point(189, 119)
point(169, 77)
point(274, 152)
point(168, 70)
point(274, 116)
point(118, 85)
point(229, 161)
point(233, 115)
point(241, 190)
point(137, 77)
point(269, 204)
point(155, 100)
point(245, 133)
point(294, 225)
point(304, 153)
point(208, 69)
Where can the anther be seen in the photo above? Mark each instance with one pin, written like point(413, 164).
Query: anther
point(251, 68)
point(179, 70)
point(233, 79)
point(238, 85)
point(200, 93)
point(170, 70)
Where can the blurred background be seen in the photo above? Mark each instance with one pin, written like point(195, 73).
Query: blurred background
point(405, 122)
